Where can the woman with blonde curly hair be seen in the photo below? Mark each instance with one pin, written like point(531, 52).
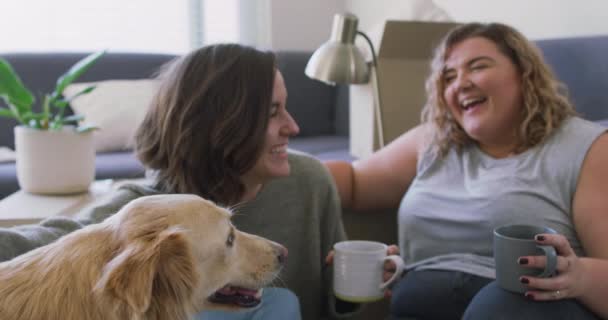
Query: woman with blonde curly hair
point(545, 102)
point(499, 143)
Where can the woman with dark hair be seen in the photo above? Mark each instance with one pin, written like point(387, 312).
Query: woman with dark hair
point(499, 144)
point(218, 127)
point(213, 120)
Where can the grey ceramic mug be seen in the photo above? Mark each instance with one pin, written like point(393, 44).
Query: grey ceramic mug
point(514, 241)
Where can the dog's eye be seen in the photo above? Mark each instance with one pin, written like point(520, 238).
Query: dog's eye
point(230, 240)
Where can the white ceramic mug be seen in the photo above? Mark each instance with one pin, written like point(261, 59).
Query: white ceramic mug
point(358, 268)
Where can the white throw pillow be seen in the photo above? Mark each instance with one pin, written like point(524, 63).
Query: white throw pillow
point(117, 107)
point(7, 154)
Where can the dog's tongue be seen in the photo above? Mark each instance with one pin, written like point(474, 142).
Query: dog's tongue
point(246, 292)
point(236, 295)
point(227, 290)
point(230, 290)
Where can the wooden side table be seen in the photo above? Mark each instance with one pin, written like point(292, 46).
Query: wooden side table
point(26, 208)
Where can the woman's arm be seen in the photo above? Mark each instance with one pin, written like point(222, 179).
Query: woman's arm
point(380, 180)
point(582, 278)
point(342, 173)
point(590, 208)
point(595, 285)
point(579, 278)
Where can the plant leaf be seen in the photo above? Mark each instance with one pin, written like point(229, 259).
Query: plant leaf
point(32, 115)
point(82, 92)
point(12, 89)
point(34, 120)
point(83, 129)
point(73, 118)
point(33, 123)
point(60, 103)
point(76, 71)
point(7, 113)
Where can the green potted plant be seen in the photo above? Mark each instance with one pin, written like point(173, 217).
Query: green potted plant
point(54, 153)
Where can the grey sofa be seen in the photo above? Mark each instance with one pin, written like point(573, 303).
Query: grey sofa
point(320, 110)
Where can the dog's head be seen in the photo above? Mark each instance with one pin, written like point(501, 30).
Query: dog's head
point(179, 254)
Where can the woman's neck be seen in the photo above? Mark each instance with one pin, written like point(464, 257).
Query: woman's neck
point(251, 191)
point(498, 151)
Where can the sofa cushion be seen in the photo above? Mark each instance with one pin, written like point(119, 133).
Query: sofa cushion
point(8, 179)
point(39, 72)
point(580, 63)
point(121, 165)
point(310, 102)
point(323, 147)
point(117, 107)
point(7, 154)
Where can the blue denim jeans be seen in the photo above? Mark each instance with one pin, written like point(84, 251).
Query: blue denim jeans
point(434, 294)
point(277, 304)
point(440, 294)
point(494, 303)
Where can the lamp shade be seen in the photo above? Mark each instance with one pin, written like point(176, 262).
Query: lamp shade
point(339, 60)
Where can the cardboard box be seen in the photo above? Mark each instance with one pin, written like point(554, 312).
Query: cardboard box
point(404, 58)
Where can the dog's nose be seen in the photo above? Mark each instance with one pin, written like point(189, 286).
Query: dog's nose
point(282, 254)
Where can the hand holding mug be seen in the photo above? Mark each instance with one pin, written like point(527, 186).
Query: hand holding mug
point(514, 241)
point(389, 266)
point(570, 276)
point(360, 268)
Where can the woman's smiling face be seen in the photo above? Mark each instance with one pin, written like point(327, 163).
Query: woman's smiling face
point(483, 92)
point(273, 161)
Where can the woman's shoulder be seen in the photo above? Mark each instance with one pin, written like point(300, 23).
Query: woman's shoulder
point(306, 166)
point(578, 122)
point(576, 130)
point(569, 144)
point(303, 161)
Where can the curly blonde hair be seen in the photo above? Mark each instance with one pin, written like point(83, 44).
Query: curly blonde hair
point(545, 99)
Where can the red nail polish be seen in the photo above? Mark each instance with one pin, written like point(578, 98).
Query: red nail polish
point(529, 296)
point(522, 260)
point(540, 238)
point(524, 280)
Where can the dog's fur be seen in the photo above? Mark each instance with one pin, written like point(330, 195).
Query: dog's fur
point(160, 257)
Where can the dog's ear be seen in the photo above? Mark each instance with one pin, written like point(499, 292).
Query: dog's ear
point(160, 269)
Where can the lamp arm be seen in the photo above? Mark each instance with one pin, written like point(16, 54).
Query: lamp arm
point(376, 89)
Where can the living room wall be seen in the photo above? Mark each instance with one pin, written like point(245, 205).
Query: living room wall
point(537, 19)
point(301, 25)
point(304, 25)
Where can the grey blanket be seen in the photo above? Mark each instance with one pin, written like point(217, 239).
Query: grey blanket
point(18, 240)
point(21, 239)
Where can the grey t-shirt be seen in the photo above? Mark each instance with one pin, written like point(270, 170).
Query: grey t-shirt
point(447, 216)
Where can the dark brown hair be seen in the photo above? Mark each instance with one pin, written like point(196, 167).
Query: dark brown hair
point(207, 123)
point(545, 99)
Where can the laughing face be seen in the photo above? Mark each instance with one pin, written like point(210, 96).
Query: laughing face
point(482, 89)
point(273, 162)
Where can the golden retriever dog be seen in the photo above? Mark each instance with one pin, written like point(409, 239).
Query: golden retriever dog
point(160, 257)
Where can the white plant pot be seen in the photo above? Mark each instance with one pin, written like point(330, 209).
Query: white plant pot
point(54, 162)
